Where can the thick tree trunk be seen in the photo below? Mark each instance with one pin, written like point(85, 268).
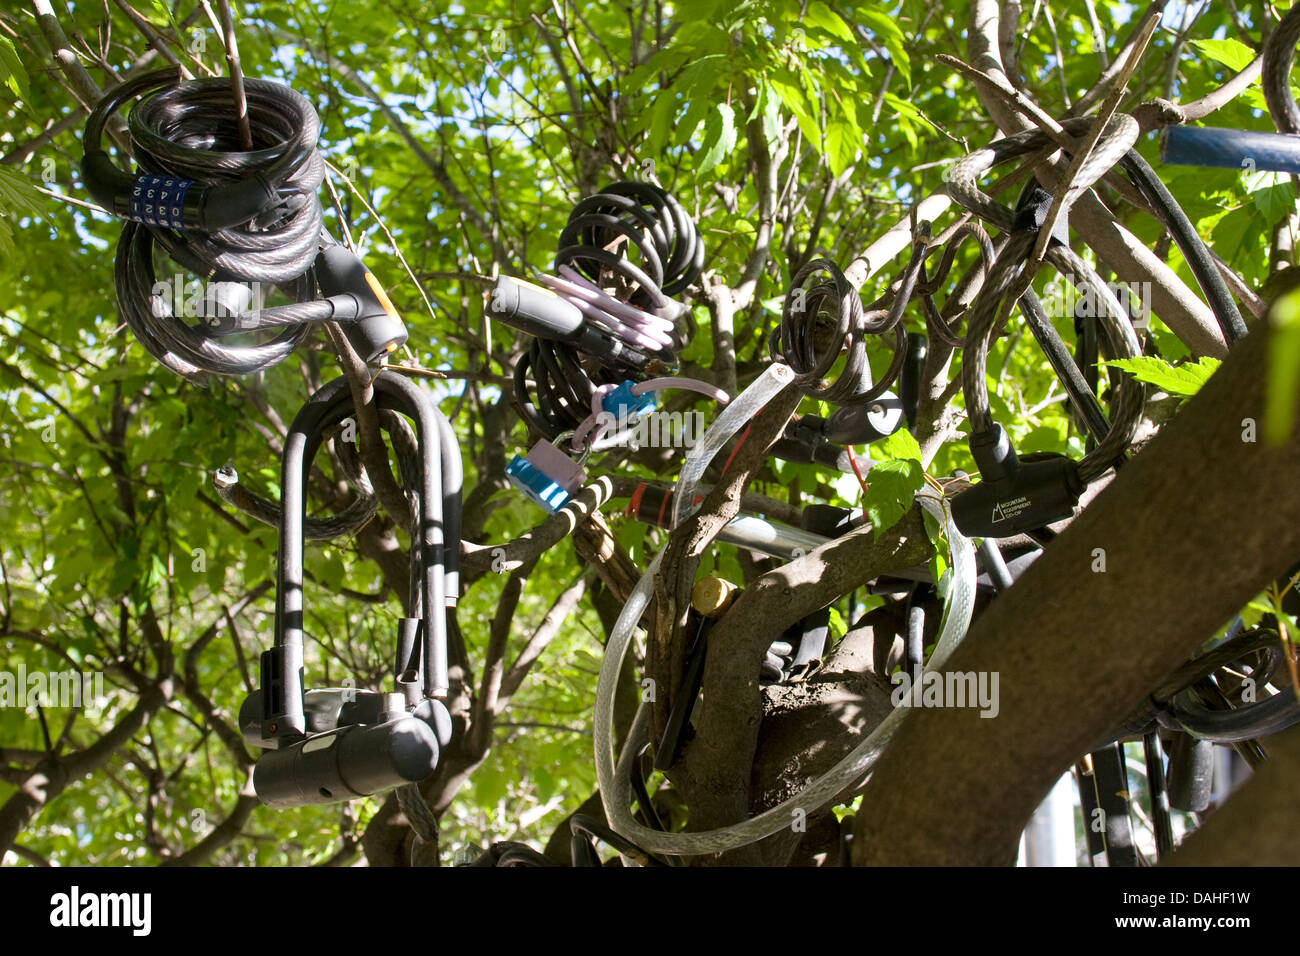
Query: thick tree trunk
point(1190, 531)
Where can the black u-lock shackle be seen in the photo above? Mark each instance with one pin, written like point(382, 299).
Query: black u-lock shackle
point(334, 744)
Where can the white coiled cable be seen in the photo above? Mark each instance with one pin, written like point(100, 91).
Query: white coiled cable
point(635, 327)
point(614, 775)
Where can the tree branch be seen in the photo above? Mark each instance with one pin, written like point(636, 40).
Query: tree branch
point(1074, 648)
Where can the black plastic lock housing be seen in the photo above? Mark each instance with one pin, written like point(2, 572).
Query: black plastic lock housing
point(1016, 494)
point(324, 709)
point(353, 761)
point(813, 439)
point(864, 424)
point(369, 320)
point(830, 521)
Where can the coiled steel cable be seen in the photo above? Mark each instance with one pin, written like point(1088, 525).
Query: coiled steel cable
point(554, 382)
point(185, 141)
point(648, 220)
point(352, 518)
point(1279, 54)
point(820, 321)
point(1127, 402)
point(1176, 704)
point(1179, 705)
point(1007, 274)
point(939, 321)
point(963, 187)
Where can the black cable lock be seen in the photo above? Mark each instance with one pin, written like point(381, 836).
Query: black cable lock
point(1016, 494)
point(1191, 773)
point(1158, 794)
point(910, 379)
point(982, 512)
point(338, 743)
point(811, 639)
point(233, 217)
point(677, 729)
point(821, 320)
point(811, 439)
point(603, 318)
point(1113, 798)
point(1023, 494)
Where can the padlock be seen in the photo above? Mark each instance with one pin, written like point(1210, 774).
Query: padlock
point(547, 475)
point(624, 404)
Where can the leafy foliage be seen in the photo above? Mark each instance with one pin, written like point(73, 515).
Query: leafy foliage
point(1185, 380)
point(119, 558)
point(894, 479)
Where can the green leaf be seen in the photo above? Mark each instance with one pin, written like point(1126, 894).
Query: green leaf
point(696, 83)
point(1185, 379)
point(662, 115)
point(797, 103)
point(704, 10)
point(837, 626)
point(1233, 54)
point(823, 18)
point(891, 486)
point(333, 573)
point(882, 25)
point(885, 27)
point(771, 106)
point(900, 445)
point(1275, 202)
point(1170, 345)
point(893, 480)
point(12, 72)
point(1238, 233)
point(719, 137)
point(902, 106)
point(153, 577)
point(18, 197)
point(1254, 612)
point(1044, 438)
point(934, 532)
point(842, 141)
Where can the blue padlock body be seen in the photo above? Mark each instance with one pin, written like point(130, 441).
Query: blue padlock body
point(623, 404)
point(536, 484)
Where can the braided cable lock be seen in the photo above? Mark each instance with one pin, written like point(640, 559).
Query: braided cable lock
point(246, 221)
point(606, 314)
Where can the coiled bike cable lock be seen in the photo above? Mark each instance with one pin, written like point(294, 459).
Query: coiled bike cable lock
point(339, 743)
point(821, 320)
point(232, 217)
point(586, 335)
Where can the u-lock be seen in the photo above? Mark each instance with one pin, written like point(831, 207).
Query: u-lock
point(340, 743)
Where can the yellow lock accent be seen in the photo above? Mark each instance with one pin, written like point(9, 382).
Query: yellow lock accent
point(382, 296)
